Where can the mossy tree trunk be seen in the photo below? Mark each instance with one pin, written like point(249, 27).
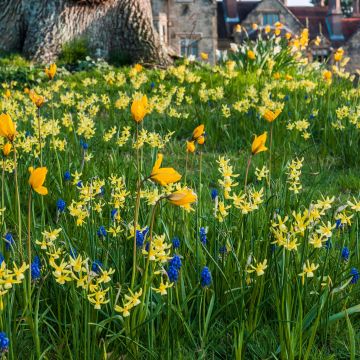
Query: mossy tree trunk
point(40, 28)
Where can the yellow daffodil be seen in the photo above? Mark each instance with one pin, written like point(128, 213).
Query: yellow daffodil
point(163, 176)
point(7, 127)
point(339, 54)
point(138, 68)
point(7, 149)
point(37, 179)
point(254, 26)
point(267, 29)
point(51, 71)
point(271, 116)
point(288, 36)
point(327, 75)
point(204, 56)
point(258, 144)
point(7, 94)
point(237, 28)
point(139, 108)
point(251, 55)
point(38, 100)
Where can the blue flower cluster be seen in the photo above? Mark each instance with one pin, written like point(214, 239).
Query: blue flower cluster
point(345, 253)
point(60, 205)
point(9, 241)
point(174, 268)
point(67, 175)
point(36, 269)
point(203, 237)
point(140, 236)
point(101, 231)
point(176, 243)
point(96, 267)
point(214, 194)
point(205, 277)
point(84, 145)
point(4, 342)
point(354, 272)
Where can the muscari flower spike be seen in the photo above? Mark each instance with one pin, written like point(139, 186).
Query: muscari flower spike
point(4, 342)
point(203, 237)
point(97, 266)
point(354, 272)
point(67, 175)
point(214, 194)
point(205, 277)
point(61, 205)
point(345, 253)
point(36, 269)
point(9, 241)
point(101, 231)
point(176, 242)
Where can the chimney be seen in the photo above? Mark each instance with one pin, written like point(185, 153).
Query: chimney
point(356, 8)
point(334, 20)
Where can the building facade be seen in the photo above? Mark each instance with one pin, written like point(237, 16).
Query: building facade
point(187, 27)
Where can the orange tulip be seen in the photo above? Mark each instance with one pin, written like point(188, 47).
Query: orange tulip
point(51, 71)
point(163, 176)
point(7, 127)
point(258, 144)
point(198, 131)
point(37, 179)
point(271, 116)
point(7, 149)
point(190, 146)
point(139, 108)
point(204, 56)
point(38, 100)
point(183, 198)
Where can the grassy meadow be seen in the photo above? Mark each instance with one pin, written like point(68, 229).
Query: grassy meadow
point(193, 212)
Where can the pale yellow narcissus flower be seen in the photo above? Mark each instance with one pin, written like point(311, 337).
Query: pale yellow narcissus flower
point(37, 179)
point(308, 270)
point(237, 28)
point(254, 26)
point(258, 144)
point(7, 127)
point(51, 71)
point(339, 54)
point(163, 176)
point(162, 289)
point(259, 268)
point(139, 108)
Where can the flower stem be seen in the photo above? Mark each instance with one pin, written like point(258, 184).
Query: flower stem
point(18, 204)
point(270, 160)
point(247, 171)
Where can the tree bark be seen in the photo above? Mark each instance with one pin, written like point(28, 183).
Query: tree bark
point(40, 28)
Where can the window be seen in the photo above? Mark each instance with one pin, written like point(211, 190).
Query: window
point(189, 47)
point(270, 19)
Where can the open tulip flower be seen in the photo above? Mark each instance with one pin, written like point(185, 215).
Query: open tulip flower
point(199, 134)
point(139, 108)
point(163, 176)
point(184, 198)
point(7, 127)
point(37, 179)
point(258, 144)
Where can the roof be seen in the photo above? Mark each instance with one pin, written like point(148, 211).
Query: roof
point(245, 8)
point(314, 17)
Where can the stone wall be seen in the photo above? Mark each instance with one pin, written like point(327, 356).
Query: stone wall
point(352, 49)
point(189, 19)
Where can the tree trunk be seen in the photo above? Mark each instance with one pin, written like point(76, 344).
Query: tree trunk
point(40, 28)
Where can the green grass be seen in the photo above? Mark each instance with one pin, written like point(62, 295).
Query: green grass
point(240, 315)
